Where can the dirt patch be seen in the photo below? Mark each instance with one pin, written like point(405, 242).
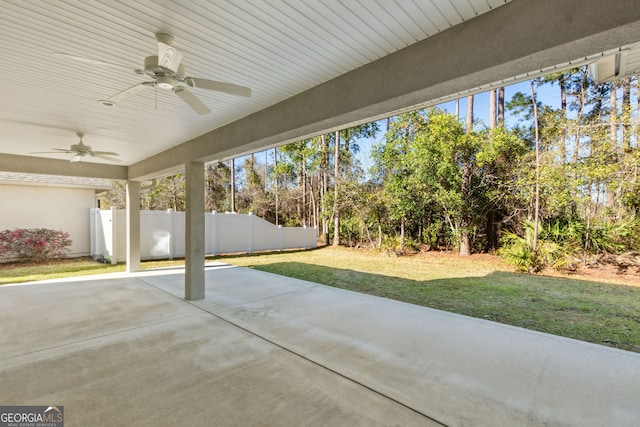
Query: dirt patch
point(607, 270)
point(605, 273)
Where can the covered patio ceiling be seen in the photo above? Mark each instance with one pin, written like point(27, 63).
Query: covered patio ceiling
point(313, 66)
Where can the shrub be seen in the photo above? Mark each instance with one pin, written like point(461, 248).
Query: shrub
point(518, 251)
point(562, 242)
point(34, 244)
point(392, 245)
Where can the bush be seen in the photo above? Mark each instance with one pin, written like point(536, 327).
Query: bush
point(392, 245)
point(34, 244)
point(562, 242)
point(601, 237)
point(518, 251)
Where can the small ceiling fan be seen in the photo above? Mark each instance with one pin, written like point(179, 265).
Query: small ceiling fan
point(167, 72)
point(81, 150)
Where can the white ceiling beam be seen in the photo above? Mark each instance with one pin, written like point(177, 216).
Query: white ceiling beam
point(39, 165)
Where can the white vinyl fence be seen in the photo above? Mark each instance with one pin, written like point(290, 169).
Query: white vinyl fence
point(162, 234)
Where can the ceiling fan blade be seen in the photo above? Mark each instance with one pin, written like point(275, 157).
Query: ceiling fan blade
point(104, 153)
point(191, 100)
point(91, 61)
point(218, 86)
point(111, 159)
point(58, 151)
point(134, 90)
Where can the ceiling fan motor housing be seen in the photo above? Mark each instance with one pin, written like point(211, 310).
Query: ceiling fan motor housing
point(165, 77)
point(80, 149)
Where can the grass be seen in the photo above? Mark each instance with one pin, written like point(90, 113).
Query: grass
point(480, 286)
point(17, 273)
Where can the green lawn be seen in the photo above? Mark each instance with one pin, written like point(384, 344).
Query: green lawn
point(17, 273)
point(479, 286)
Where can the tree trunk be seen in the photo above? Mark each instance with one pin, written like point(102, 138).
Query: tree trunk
point(563, 106)
point(465, 188)
point(336, 176)
point(465, 223)
point(501, 106)
point(325, 187)
point(174, 187)
point(233, 185)
point(626, 114)
point(638, 108)
point(469, 121)
point(303, 166)
point(536, 211)
point(275, 181)
point(492, 109)
point(266, 163)
point(613, 134)
point(312, 204)
point(581, 103)
point(490, 225)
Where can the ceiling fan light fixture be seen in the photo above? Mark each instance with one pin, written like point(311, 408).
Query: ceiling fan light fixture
point(166, 82)
point(107, 103)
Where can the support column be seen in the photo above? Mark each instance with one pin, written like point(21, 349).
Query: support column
point(114, 235)
point(133, 226)
point(194, 232)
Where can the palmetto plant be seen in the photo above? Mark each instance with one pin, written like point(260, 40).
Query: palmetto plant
point(562, 242)
point(518, 251)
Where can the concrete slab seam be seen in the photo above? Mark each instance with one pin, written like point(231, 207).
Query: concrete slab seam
point(231, 307)
point(309, 359)
point(120, 331)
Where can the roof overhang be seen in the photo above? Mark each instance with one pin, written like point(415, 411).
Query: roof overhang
point(507, 41)
point(545, 35)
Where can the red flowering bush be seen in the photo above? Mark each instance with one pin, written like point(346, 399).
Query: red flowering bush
point(34, 244)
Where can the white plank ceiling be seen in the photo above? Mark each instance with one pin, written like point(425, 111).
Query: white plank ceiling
point(278, 48)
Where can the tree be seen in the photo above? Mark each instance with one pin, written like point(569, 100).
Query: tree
point(344, 166)
point(336, 180)
point(217, 187)
point(395, 170)
point(232, 193)
point(465, 184)
point(253, 197)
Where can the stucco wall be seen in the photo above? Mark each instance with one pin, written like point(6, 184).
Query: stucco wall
point(66, 209)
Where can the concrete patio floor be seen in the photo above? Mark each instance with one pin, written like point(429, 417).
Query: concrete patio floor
point(267, 350)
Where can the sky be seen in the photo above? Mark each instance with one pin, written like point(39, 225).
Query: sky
point(547, 94)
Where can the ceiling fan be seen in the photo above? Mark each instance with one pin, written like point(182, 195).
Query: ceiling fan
point(81, 150)
point(167, 72)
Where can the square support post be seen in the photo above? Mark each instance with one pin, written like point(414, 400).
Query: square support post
point(133, 226)
point(194, 233)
